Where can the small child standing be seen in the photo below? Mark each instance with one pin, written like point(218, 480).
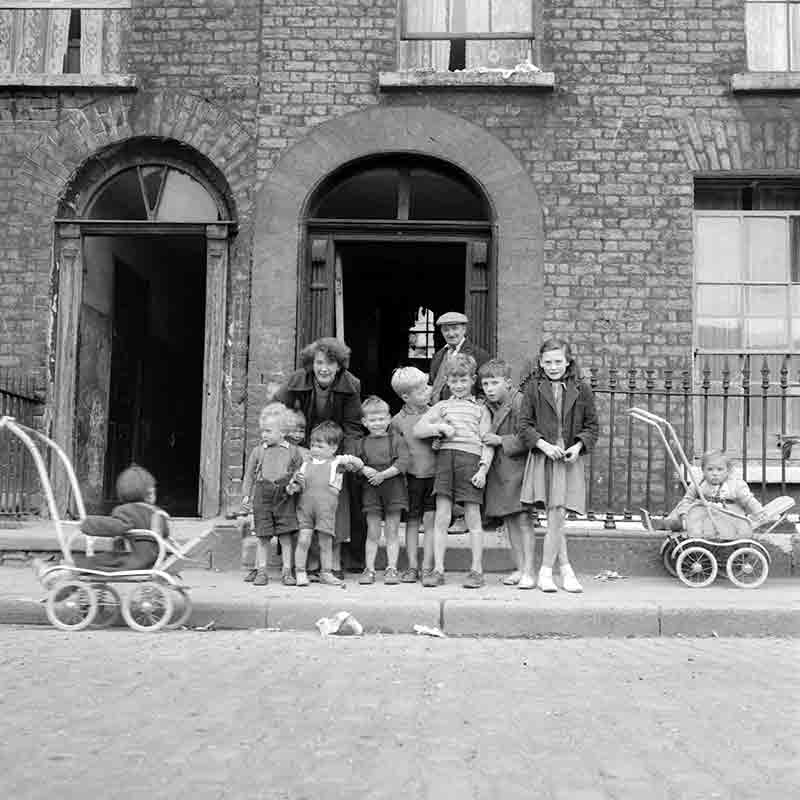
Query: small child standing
point(411, 386)
point(504, 481)
point(268, 491)
point(719, 487)
point(319, 480)
point(384, 495)
point(296, 428)
point(558, 423)
point(462, 462)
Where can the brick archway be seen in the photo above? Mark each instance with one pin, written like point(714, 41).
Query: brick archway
point(282, 202)
point(64, 166)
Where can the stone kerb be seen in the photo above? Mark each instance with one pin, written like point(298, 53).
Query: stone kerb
point(283, 199)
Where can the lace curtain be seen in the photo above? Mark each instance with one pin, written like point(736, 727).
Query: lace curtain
point(428, 16)
point(35, 41)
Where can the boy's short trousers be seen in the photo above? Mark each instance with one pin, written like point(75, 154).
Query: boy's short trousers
point(420, 496)
point(454, 472)
point(273, 510)
point(317, 514)
point(390, 496)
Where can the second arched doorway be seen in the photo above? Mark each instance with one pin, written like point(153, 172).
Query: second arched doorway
point(391, 243)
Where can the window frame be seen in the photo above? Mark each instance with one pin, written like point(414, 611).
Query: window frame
point(787, 52)
point(406, 36)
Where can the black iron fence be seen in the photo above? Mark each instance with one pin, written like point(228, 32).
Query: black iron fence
point(19, 483)
point(746, 405)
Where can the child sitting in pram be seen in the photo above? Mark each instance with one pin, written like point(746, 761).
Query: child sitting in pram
point(720, 488)
point(136, 490)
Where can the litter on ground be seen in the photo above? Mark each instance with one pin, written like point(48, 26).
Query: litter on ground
point(342, 623)
point(425, 630)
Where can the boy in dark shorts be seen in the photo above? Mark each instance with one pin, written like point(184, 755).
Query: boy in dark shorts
point(462, 462)
point(411, 386)
point(268, 492)
point(384, 496)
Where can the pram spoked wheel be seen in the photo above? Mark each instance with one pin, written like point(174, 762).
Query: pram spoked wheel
point(71, 605)
point(696, 567)
point(109, 605)
point(747, 567)
point(148, 607)
point(183, 609)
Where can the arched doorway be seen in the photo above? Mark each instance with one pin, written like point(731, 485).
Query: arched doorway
point(391, 243)
point(142, 276)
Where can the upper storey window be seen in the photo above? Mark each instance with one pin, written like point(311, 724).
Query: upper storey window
point(79, 37)
point(773, 35)
point(444, 35)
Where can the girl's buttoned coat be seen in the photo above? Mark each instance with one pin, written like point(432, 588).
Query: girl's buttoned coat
point(504, 481)
point(539, 418)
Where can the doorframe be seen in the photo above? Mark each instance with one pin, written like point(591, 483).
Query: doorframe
point(391, 232)
point(68, 294)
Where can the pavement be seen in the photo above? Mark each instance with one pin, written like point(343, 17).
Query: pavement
point(253, 715)
point(626, 607)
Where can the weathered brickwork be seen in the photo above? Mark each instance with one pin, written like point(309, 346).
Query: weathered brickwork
point(642, 104)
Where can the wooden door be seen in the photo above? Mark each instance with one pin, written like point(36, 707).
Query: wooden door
point(479, 300)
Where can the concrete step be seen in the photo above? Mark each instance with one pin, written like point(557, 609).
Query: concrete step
point(628, 550)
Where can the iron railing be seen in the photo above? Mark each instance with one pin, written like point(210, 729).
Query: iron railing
point(745, 405)
point(20, 493)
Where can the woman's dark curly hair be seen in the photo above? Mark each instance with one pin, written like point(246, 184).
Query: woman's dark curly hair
point(331, 348)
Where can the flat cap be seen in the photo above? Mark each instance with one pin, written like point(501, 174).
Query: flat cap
point(452, 318)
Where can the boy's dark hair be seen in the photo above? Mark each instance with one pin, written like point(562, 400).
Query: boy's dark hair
point(461, 364)
point(134, 483)
point(373, 403)
point(495, 368)
point(328, 431)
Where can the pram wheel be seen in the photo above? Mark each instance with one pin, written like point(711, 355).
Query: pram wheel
point(71, 605)
point(183, 609)
point(696, 567)
point(108, 605)
point(148, 607)
point(747, 567)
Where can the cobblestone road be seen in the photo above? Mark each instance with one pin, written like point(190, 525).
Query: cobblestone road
point(278, 716)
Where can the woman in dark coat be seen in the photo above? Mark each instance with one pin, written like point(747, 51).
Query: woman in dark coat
point(323, 389)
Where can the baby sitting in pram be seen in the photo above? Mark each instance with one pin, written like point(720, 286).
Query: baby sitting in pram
point(136, 490)
point(721, 489)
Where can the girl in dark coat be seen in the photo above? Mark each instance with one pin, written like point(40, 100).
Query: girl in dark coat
point(558, 424)
point(323, 389)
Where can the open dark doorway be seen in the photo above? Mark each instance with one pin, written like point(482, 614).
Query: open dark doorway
point(140, 370)
point(388, 290)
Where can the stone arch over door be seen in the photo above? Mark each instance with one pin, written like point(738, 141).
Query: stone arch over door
point(282, 201)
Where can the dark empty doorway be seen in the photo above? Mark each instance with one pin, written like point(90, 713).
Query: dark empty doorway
point(392, 295)
point(144, 311)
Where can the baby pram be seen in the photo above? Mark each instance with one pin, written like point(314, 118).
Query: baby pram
point(715, 537)
point(78, 597)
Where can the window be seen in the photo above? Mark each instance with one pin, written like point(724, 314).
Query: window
point(773, 35)
point(39, 40)
point(447, 35)
point(154, 193)
point(420, 335)
point(747, 306)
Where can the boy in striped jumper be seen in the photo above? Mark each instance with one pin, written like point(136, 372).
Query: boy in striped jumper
point(462, 462)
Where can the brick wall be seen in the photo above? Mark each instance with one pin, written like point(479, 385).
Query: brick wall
point(642, 102)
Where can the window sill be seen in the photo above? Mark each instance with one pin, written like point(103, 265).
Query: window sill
point(467, 79)
point(765, 82)
point(36, 80)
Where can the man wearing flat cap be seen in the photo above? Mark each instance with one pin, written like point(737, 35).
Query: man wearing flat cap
point(453, 325)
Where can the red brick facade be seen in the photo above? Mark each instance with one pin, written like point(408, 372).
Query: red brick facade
point(268, 98)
